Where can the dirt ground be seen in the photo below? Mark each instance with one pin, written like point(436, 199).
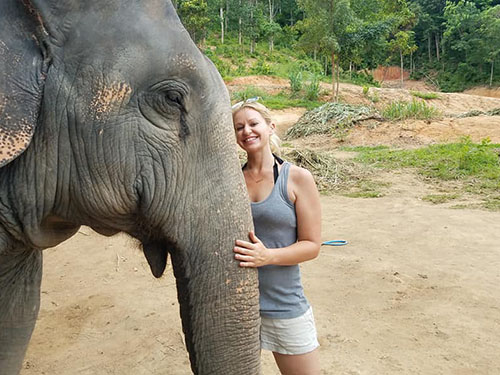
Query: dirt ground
point(415, 290)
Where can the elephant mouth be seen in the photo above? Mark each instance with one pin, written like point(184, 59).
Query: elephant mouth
point(156, 254)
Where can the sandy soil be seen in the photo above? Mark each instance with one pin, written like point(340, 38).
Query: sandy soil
point(415, 290)
point(484, 91)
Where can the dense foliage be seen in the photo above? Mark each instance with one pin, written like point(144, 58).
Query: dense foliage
point(453, 44)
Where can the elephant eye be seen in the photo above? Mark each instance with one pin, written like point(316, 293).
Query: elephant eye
point(174, 97)
point(168, 96)
point(164, 105)
point(168, 102)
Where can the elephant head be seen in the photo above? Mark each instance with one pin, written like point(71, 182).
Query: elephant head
point(110, 117)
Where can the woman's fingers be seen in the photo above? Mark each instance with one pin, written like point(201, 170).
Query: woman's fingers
point(247, 264)
point(242, 250)
point(246, 244)
point(245, 260)
point(251, 254)
point(249, 245)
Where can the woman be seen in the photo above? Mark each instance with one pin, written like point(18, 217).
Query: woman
point(287, 220)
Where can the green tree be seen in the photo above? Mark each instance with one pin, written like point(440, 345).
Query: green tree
point(364, 43)
point(428, 29)
point(327, 22)
point(461, 37)
point(404, 44)
point(194, 16)
point(490, 29)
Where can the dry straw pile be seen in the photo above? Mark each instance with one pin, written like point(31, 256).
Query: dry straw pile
point(329, 173)
point(330, 118)
point(473, 113)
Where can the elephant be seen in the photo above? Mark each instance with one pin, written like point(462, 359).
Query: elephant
point(112, 118)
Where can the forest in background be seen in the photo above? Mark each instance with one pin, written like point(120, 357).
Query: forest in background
point(453, 45)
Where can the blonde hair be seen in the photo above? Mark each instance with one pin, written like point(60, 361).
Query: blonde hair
point(274, 140)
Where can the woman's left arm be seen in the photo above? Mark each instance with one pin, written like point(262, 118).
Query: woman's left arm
point(308, 211)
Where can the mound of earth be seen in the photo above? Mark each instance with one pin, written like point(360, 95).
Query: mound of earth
point(484, 91)
point(409, 133)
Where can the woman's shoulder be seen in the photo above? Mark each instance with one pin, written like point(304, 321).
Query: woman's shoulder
point(299, 172)
point(300, 177)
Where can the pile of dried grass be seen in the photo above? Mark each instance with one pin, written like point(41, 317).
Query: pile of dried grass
point(330, 118)
point(329, 173)
point(473, 113)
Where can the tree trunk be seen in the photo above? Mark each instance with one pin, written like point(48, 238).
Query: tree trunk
point(221, 15)
point(271, 37)
point(402, 71)
point(252, 42)
point(429, 46)
point(239, 27)
point(239, 31)
point(411, 62)
point(437, 46)
point(227, 14)
point(333, 77)
point(491, 71)
point(338, 80)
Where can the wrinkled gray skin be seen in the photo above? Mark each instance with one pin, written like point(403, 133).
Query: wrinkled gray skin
point(110, 117)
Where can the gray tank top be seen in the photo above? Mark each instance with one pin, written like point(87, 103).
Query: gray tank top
point(275, 222)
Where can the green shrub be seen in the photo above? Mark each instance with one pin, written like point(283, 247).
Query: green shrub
point(359, 78)
point(295, 78)
point(248, 92)
point(425, 95)
point(262, 67)
point(223, 67)
point(416, 109)
point(477, 158)
point(312, 88)
point(310, 65)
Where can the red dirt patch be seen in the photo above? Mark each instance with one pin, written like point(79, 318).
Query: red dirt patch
point(389, 73)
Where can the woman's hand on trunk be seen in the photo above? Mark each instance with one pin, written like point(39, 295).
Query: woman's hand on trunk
point(252, 254)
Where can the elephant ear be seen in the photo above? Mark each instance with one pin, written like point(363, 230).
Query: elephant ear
point(24, 63)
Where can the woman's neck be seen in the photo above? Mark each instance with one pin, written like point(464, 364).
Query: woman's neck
point(259, 161)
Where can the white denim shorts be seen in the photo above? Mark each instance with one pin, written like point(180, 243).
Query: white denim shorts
point(289, 336)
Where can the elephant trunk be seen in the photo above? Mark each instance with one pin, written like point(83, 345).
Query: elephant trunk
point(219, 301)
point(221, 330)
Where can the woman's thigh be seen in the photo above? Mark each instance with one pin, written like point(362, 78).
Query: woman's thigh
point(298, 364)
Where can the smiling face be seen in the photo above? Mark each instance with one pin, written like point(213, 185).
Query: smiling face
point(253, 132)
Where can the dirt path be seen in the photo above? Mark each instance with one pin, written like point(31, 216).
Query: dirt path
point(414, 292)
point(285, 118)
